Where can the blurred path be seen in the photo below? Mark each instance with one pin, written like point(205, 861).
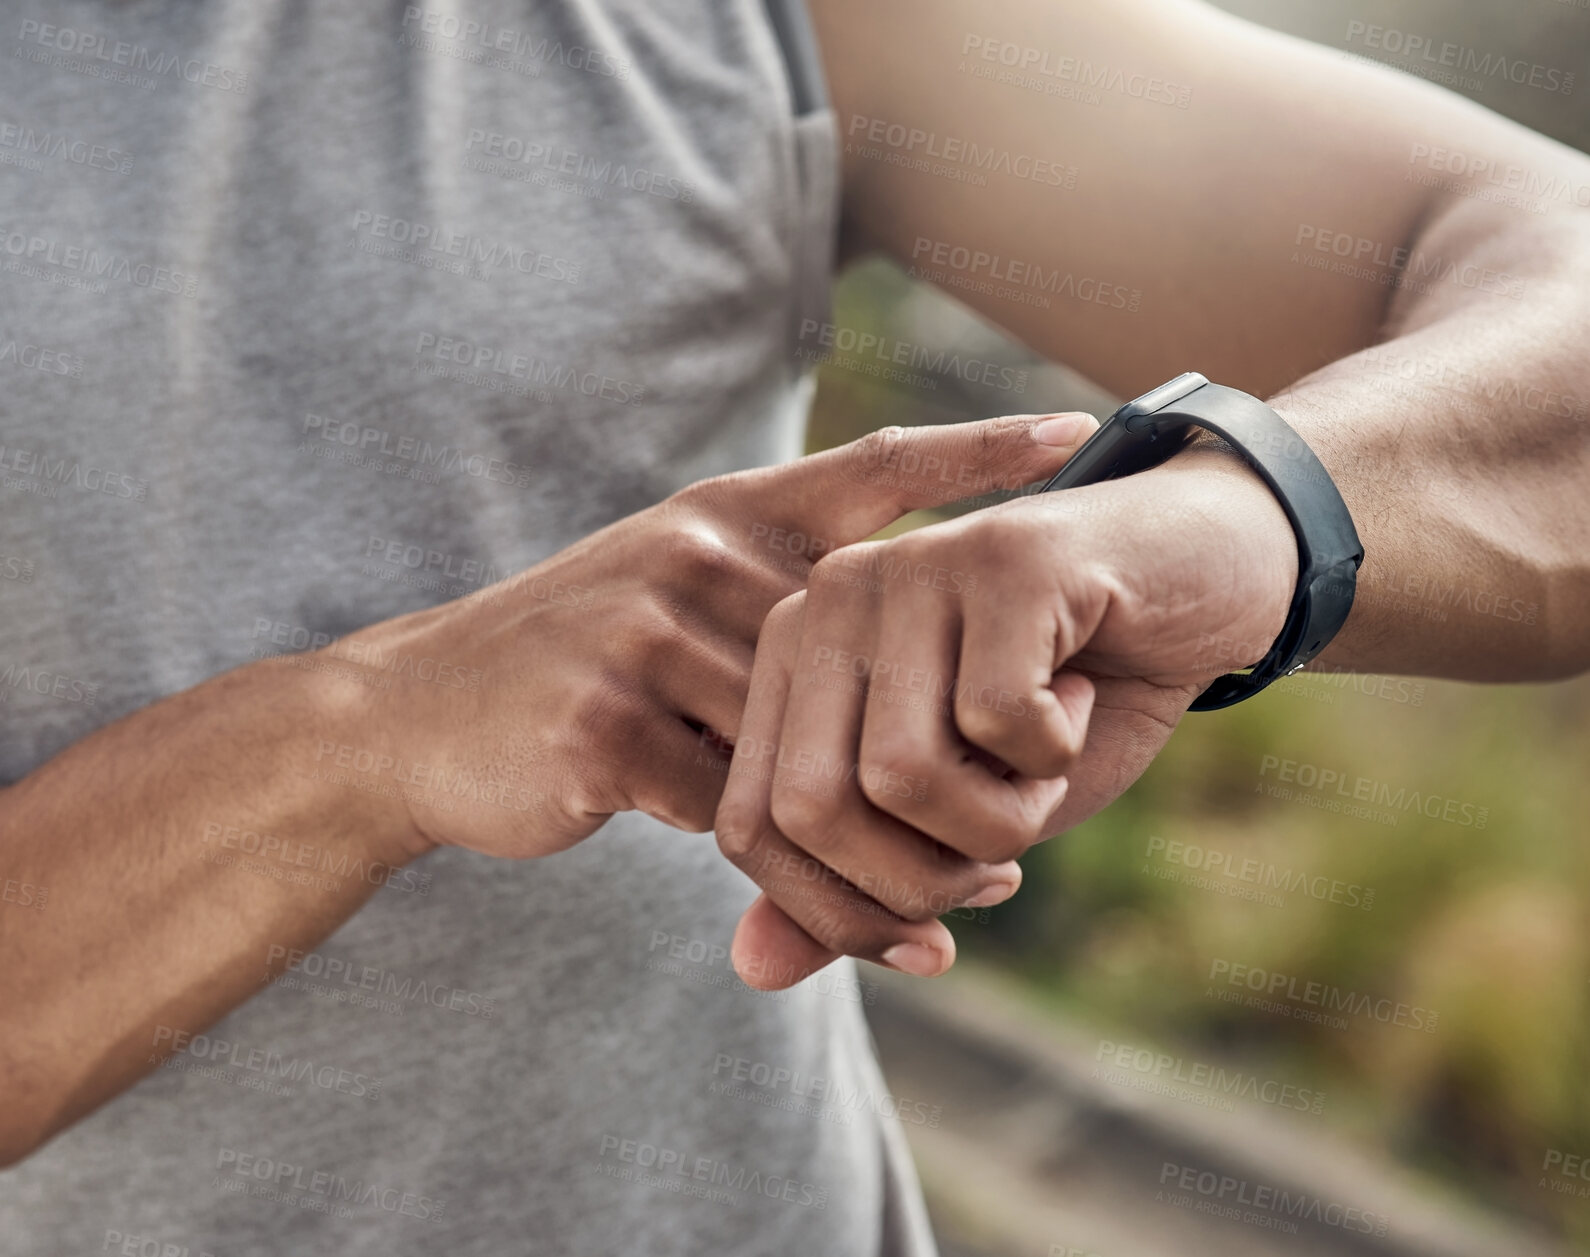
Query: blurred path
point(1035, 1156)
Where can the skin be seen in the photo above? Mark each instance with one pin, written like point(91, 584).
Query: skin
point(985, 722)
point(1104, 600)
point(1103, 612)
point(148, 932)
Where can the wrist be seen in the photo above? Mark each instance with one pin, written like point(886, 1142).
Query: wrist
point(338, 747)
point(1249, 545)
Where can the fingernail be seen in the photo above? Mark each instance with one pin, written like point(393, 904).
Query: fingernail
point(914, 958)
point(1066, 429)
point(990, 895)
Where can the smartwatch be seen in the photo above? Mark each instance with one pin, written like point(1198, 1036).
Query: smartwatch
point(1145, 432)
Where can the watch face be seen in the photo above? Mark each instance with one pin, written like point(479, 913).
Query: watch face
point(1164, 395)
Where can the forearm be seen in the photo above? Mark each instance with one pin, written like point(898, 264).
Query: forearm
point(1461, 443)
point(149, 918)
point(511, 723)
point(1249, 224)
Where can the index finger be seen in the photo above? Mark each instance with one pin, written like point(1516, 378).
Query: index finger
point(854, 490)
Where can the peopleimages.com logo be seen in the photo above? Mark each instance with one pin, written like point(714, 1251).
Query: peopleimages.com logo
point(1285, 993)
point(271, 1177)
point(1338, 783)
point(1442, 55)
point(1265, 1205)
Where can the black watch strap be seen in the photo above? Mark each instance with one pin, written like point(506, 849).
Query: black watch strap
point(1150, 429)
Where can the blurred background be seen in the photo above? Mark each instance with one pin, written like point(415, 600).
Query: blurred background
point(1102, 1084)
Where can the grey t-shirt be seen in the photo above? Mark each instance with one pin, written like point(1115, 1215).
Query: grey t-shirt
point(311, 315)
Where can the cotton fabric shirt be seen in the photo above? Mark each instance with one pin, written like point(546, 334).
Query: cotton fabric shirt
point(313, 315)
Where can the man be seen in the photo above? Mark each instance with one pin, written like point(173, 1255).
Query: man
point(441, 331)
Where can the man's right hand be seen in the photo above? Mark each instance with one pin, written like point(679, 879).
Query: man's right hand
point(606, 670)
point(597, 671)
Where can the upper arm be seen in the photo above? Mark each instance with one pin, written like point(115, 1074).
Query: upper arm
point(1145, 187)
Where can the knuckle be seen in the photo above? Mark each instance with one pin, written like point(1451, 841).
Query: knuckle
point(949, 884)
point(739, 830)
point(1064, 739)
point(839, 928)
point(892, 775)
point(648, 628)
point(983, 724)
point(1006, 838)
point(702, 556)
point(898, 557)
point(990, 436)
point(1043, 762)
point(887, 788)
point(693, 809)
point(998, 848)
point(824, 570)
point(802, 815)
point(991, 836)
point(1044, 749)
point(1001, 439)
point(582, 795)
point(707, 498)
point(925, 903)
point(869, 456)
point(837, 576)
point(912, 544)
point(657, 641)
point(672, 810)
point(785, 617)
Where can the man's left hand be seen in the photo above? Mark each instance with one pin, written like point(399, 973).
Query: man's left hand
point(933, 705)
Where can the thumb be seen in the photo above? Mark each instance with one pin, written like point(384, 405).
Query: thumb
point(848, 493)
point(770, 952)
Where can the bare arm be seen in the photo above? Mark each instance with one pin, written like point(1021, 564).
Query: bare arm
point(143, 926)
point(1298, 210)
point(526, 715)
point(1229, 201)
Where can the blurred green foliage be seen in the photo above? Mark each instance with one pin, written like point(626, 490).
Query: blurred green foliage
point(1484, 926)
